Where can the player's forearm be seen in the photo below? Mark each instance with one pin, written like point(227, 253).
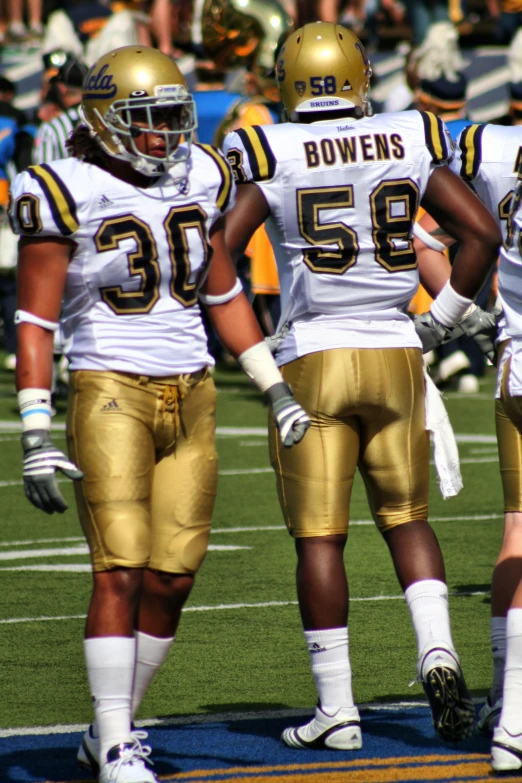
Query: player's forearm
point(34, 364)
point(434, 267)
point(235, 324)
point(475, 258)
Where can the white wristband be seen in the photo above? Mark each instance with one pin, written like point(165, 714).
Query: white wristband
point(259, 365)
point(35, 409)
point(428, 239)
point(449, 306)
point(23, 316)
point(217, 299)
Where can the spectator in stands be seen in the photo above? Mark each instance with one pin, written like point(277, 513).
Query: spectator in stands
point(16, 28)
point(15, 155)
point(515, 81)
point(424, 13)
point(65, 89)
point(508, 15)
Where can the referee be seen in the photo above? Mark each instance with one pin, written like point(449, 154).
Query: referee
point(66, 90)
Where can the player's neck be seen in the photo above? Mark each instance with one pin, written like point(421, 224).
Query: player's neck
point(124, 171)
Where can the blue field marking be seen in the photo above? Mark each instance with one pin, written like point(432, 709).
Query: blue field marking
point(250, 749)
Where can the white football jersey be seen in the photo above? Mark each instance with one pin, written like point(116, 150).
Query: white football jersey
point(131, 295)
point(343, 196)
point(510, 287)
point(488, 157)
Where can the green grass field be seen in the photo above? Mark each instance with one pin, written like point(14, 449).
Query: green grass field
point(250, 655)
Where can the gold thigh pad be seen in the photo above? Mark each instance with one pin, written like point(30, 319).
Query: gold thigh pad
point(367, 411)
point(147, 449)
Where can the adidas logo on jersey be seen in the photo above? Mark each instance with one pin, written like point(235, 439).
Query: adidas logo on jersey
point(104, 202)
point(111, 407)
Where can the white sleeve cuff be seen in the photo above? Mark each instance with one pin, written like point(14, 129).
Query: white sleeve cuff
point(260, 366)
point(428, 239)
point(217, 299)
point(449, 306)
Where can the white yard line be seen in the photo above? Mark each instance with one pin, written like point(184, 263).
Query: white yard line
point(233, 607)
point(218, 717)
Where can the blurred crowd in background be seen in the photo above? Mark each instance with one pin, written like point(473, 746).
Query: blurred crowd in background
point(226, 49)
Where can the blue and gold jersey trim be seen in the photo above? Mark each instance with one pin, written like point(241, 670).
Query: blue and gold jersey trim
point(437, 141)
point(470, 144)
point(61, 202)
point(260, 156)
point(225, 188)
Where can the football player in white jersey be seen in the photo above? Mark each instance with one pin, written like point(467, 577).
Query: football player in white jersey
point(129, 233)
point(488, 157)
point(506, 751)
point(339, 192)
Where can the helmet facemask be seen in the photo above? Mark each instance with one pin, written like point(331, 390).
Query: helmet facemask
point(169, 114)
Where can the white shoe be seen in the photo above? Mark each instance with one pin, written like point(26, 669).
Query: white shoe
point(127, 763)
point(488, 717)
point(89, 751)
point(454, 363)
point(506, 751)
point(10, 362)
point(468, 384)
point(341, 731)
point(451, 705)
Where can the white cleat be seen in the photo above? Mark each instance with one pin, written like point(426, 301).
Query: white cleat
point(488, 717)
point(506, 751)
point(89, 751)
point(341, 731)
point(127, 763)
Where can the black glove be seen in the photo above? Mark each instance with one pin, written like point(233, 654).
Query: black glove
point(291, 420)
point(430, 332)
point(482, 327)
point(41, 461)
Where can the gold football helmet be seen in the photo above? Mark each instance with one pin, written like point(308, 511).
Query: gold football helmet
point(323, 67)
point(135, 90)
point(237, 32)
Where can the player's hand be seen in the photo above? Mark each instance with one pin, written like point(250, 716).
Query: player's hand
point(291, 420)
point(41, 461)
point(430, 332)
point(482, 327)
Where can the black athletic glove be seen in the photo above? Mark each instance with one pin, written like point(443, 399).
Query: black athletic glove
point(41, 461)
point(291, 420)
point(430, 332)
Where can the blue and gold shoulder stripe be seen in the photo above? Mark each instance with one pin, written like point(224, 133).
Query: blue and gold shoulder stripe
point(260, 156)
point(470, 145)
point(59, 198)
point(225, 188)
point(437, 140)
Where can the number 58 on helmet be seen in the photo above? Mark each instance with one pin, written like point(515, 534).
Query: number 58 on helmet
point(323, 67)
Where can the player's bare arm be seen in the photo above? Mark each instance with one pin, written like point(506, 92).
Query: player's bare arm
point(462, 217)
point(40, 260)
point(237, 327)
point(250, 212)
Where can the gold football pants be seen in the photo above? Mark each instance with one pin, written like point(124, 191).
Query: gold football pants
point(146, 448)
point(367, 411)
point(508, 418)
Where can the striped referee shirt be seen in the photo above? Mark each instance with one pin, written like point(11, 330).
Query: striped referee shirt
point(50, 140)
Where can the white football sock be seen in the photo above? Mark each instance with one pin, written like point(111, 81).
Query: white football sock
point(427, 601)
point(498, 649)
point(511, 716)
point(151, 651)
point(110, 668)
point(329, 654)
